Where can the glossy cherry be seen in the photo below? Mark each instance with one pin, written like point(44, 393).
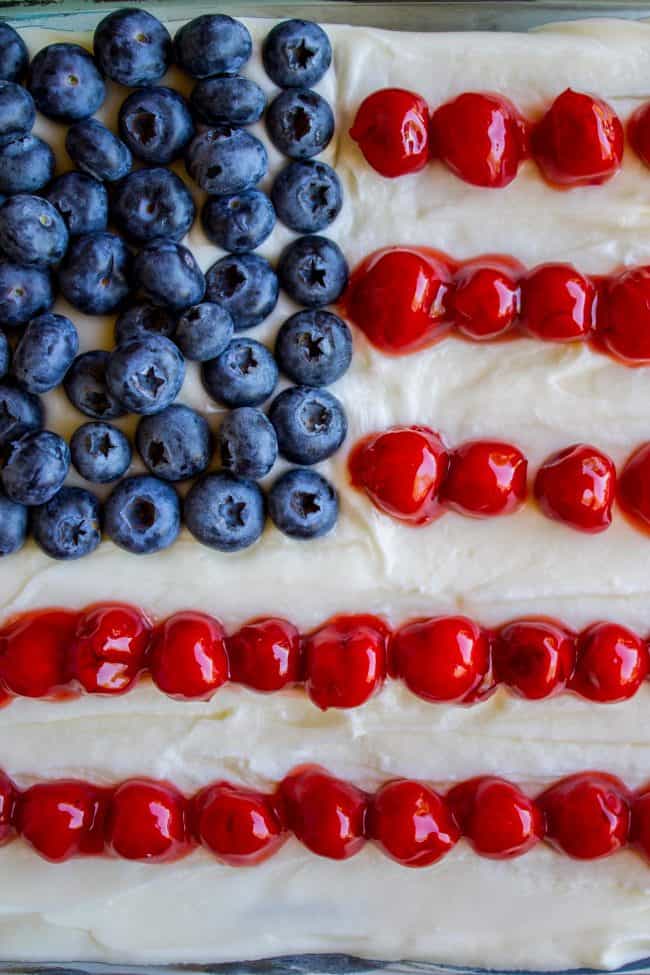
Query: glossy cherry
point(624, 316)
point(107, 652)
point(265, 654)
point(577, 486)
point(240, 826)
point(392, 130)
point(8, 797)
point(147, 820)
point(63, 819)
point(498, 819)
point(33, 652)
point(638, 132)
point(485, 478)
point(534, 657)
point(345, 661)
point(634, 487)
point(612, 663)
point(557, 303)
point(441, 659)
point(188, 658)
point(587, 815)
point(485, 299)
point(327, 815)
point(411, 823)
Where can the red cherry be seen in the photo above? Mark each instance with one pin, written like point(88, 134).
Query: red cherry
point(188, 657)
point(640, 830)
point(411, 823)
point(401, 471)
point(147, 820)
point(345, 661)
point(612, 663)
point(33, 652)
point(107, 653)
point(624, 316)
point(265, 655)
point(398, 298)
point(63, 819)
point(498, 820)
point(638, 132)
point(392, 129)
point(577, 486)
point(486, 478)
point(441, 659)
point(485, 300)
point(634, 487)
point(535, 658)
point(587, 815)
point(8, 798)
point(327, 815)
point(480, 137)
point(557, 303)
point(579, 141)
point(238, 825)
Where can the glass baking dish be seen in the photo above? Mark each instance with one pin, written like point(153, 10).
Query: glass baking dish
point(413, 15)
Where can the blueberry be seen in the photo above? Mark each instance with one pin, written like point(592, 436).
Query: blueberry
point(32, 231)
point(244, 375)
point(82, 202)
point(26, 165)
point(314, 348)
point(225, 512)
point(246, 285)
point(300, 123)
point(132, 47)
point(85, 387)
point(296, 54)
point(13, 525)
point(310, 424)
point(313, 271)
point(247, 443)
point(204, 331)
point(175, 444)
point(234, 101)
point(145, 374)
point(142, 514)
point(151, 203)
point(226, 160)
point(20, 413)
point(212, 44)
point(156, 124)
point(45, 352)
point(36, 467)
point(14, 56)
point(302, 504)
point(100, 452)
point(168, 274)
point(95, 275)
point(65, 83)
point(307, 196)
point(239, 222)
point(97, 151)
point(24, 292)
point(143, 318)
point(68, 526)
point(17, 112)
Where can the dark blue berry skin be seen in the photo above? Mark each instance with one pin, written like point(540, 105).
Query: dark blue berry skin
point(303, 504)
point(142, 319)
point(307, 196)
point(14, 56)
point(314, 348)
point(17, 112)
point(100, 452)
point(82, 202)
point(169, 275)
point(132, 47)
point(13, 525)
point(212, 44)
point(97, 151)
point(32, 231)
point(246, 285)
point(36, 467)
point(152, 203)
point(145, 374)
point(68, 526)
point(300, 123)
point(225, 512)
point(175, 444)
point(296, 54)
point(20, 413)
point(230, 101)
point(95, 275)
point(65, 82)
point(313, 271)
point(244, 375)
point(45, 352)
point(86, 388)
point(204, 331)
point(247, 443)
point(156, 124)
point(310, 424)
point(226, 160)
point(24, 292)
point(142, 514)
point(5, 355)
point(26, 165)
point(239, 222)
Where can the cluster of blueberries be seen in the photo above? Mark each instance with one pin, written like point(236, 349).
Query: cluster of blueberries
point(54, 237)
